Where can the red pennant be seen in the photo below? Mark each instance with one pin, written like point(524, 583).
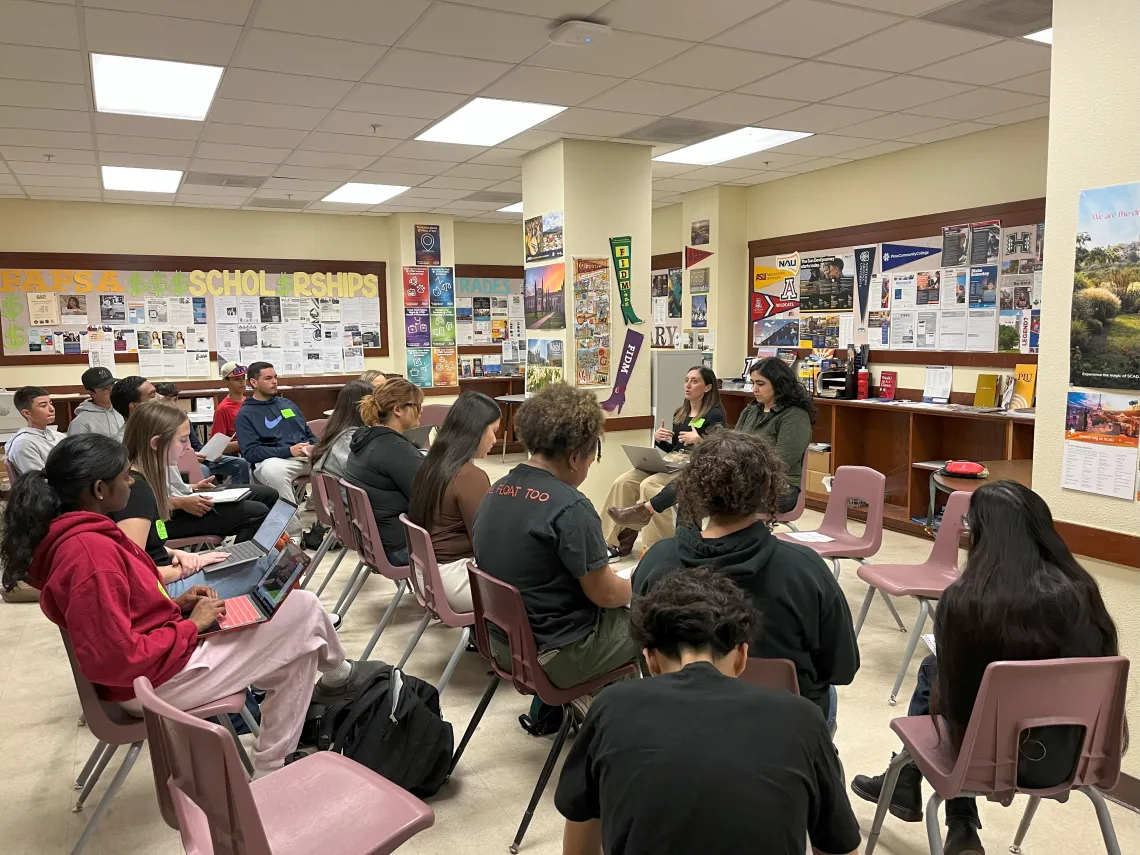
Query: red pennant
point(695, 256)
point(764, 306)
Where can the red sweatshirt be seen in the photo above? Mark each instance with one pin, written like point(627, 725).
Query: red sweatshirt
point(107, 593)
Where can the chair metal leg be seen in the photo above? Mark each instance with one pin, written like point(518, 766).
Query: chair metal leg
point(401, 586)
point(488, 693)
point(350, 584)
point(332, 571)
point(885, 795)
point(224, 721)
point(93, 777)
point(933, 826)
point(105, 802)
point(863, 611)
point(1107, 830)
point(345, 604)
point(548, 767)
point(911, 644)
point(791, 525)
point(1023, 827)
point(96, 753)
point(835, 568)
point(326, 545)
point(250, 722)
point(415, 639)
point(891, 608)
point(454, 660)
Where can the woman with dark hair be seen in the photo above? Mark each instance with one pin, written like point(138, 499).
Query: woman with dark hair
point(330, 454)
point(449, 487)
point(97, 584)
point(700, 412)
point(732, 477)
point(1021, 596)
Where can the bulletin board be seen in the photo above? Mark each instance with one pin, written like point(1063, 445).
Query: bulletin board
point(55, 307)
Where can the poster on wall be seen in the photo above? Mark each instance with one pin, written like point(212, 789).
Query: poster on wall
point(415, 287)
point(428, 250)
point(955, 245)
point(955, 285)
point(543, 363)
point(592, 321)
point(698, 284)
point(444, 367)
point(1102, 434)
point(621, 251)
point(699, 233)
point(699, 314)
point(419, 366)
point(542, 236)
point(910, 255)
point(1105, 328)
point(441, 281)
point(544, 298)
point(775, 308)
point(985, 242)
point(864, 272)
point(879, 329)
point(827, 281)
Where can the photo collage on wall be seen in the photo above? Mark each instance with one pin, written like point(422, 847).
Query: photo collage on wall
point(430, 326)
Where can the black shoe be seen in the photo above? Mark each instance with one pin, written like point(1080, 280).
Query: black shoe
point(906, 802)
point(962, 838)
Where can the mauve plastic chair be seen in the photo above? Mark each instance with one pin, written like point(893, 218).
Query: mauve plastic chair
point(925, 582)
point(427, 585)
point(789, 519)
point(501, 605)
point(317, 426)
point(321, 803)
point(190, 466)
point(772, 674)
point(336, 510)
point(1013, 697)
point(323, 511)
point(370, 547)
point(113, 726)
point(432, 415)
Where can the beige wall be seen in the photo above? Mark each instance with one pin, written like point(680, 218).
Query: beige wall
point(667, 232)
point(489, 243)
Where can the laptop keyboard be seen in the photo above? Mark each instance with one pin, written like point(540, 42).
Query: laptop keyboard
point(239, 612)
point(245, 549)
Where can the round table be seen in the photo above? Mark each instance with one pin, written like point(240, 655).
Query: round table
point(1020, 471)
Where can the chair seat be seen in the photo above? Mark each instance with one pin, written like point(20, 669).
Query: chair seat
point(359, 811)
point(930, 750)
point(842, 545)
point(234, 703)
point(908, 580)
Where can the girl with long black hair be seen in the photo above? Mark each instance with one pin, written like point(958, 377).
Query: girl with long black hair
point(331, 452)
point(449, 487)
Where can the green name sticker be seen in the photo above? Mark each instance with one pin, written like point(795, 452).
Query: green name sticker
point(160, 527)
point(287, 413)
point(697, 424)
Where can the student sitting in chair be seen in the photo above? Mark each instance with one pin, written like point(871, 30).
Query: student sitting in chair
point(694, 759)
point(128, 392)
point(234, 468)
point(28, 449)
point(97, 415)
point(225, 413)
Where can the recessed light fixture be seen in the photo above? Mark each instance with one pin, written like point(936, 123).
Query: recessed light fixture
point(516, 208)
point(731, 146)
point(1043, 36)
point(141, 180)
point(364, 194)
point(489, 121)
point(153, 87)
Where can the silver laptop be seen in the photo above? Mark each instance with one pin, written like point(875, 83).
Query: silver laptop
point(650, 459)
point(264, 540)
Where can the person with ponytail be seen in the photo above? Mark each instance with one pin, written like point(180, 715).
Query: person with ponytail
point(384, 462)
point(96, 583)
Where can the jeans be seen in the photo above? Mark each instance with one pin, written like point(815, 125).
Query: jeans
point(235, 468)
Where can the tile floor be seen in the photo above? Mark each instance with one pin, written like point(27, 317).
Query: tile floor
point(478, 812)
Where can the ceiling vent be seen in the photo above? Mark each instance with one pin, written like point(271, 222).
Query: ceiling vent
point(493, 197)
point(282, 204)
point(1009, 19)
point(214, 179)
point(678, 131)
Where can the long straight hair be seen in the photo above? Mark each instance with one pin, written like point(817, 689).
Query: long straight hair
point(710, 401)
point(345, 416)
point(455, 446)
point(154, 418)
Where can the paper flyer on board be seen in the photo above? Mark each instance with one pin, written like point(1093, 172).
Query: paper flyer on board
point(775, 309)
point(904, 291)
point(952, 329)
point(827, 281)
point(955, 245)
point(592, 321)
point(985, 242)
point(879, 329)
point(544, 363)
point(955, 287)
point(1102, 435)
point(926, 330)
point(902, 330)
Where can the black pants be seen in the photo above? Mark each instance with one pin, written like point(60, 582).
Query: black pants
point(667, 498)
point(240, 519)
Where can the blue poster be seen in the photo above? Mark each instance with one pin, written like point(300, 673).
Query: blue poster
point(700, 311)
point(898, 254)
point(983, 287)
point(441, 285)
point(419, 366)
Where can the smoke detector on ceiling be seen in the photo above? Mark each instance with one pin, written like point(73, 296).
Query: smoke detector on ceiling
point(579, 34)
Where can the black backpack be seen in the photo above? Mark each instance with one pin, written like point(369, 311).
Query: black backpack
point(393, 726)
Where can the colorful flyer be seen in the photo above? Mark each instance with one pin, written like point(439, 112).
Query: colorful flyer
point(776, 301)
point(442, 283)
point(544, 298)
point(419, 365)
point(592, 321)
point(428, 251)
point(444, 367)
point(621, 251)
point(1102, 433)
point(699, 315)
point(418, 331)
point(544, 363)
point(416, 287)
point(443, 327)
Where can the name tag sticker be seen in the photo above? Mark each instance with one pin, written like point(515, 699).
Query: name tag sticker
point(160, 527)
point(697, 424)
point(287, 413)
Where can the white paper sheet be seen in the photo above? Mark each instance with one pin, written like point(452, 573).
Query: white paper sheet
point(952, 329)
point(214, 449)
point(926, 331)
point(1106, 470)
point(180, 311)
point(227, 338)
point(225, 310)
point(198, 363)
point(904, 290)
point(902, 330)
point(939, 381)
point(353, 360)
point(810, 537)
point(174, 363)
point(249, 310)
point(981, 332)
point(150, 363)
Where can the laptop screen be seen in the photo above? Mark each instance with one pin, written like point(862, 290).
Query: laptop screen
point(285, 567)
point(274, 524)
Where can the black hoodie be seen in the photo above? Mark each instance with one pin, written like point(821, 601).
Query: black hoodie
point(806, 618)
point(384, 462)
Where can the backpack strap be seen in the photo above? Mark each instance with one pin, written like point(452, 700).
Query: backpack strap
point(362, 705)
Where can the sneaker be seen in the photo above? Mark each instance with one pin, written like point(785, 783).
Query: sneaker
point(335, 618)
point(581, 706)
point(962, 839)
point(906, 802)
point(359, 674)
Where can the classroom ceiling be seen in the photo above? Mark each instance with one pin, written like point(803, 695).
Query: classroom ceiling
point(317, 93)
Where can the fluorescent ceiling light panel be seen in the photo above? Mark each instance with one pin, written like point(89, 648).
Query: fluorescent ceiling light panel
point(731, 146)
point(153, 87)
point(516, 208)
point(141, 180)
point(489, 121)
point(364, 194)
point(1043, 36)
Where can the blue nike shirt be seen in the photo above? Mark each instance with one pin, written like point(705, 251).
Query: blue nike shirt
point(267, 429)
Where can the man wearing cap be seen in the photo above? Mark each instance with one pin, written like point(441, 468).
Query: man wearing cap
point(97, 415)
point(225, 413)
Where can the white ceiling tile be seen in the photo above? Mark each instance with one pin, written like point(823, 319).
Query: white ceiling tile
point(380, 22)
point(876, 149)
point(736, 109)
point(21, 62)
point(652, 99)
point(938, 134)
point(416, 166)
point(60, 155)
point(513, 186)
point(797, 28)
point(991, 64)
point(304, 195)
point(122, 196)
point(300, 184)
point(397, 179)
point(313, 173)
point(145, 145)
point(398, 101)
point(1025, 114)
point(157, 37)
point(719, 174)
point(1034, 84)
point(465, 205)
point(231, 167)
point(913, 8)
point(90, 181)
point(600, 123)
point(621, 55)
point(894, 126)
point(436, 71)
point(319, 141)
point(148, 161)
point(765, 177)
point(680, 185)
point(309, 55)
point(681, 19)
point(446, 182)
point(45, 139)
point(7, 179)
point(816, 164)
point(716, 67)
point(899, 93)
point(344, 122)
point(436, 151)
point(191, 201)
point(478, 33)
point(530, 140)
point(251, 135)
point(976, 103)
point(813, 81)
point(246, 84)
point(44, 120)
point(212, 192)
point(549, 86)
point(245, 153)
point(821, 145)
point(146, 126)
point(661, 169)
point(908, 46)
point(264, 115)
point(44, 167)
point(219, 11)
point(500, 157)
point(38, 24)
point(35, 192)
point(435, 193)
point(821, 118)
point(769, 160)
point(329, 159)
point(482, 170)
point(35, 93)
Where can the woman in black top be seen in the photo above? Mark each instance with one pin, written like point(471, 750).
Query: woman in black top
point(700, 412)
point(1022, 596)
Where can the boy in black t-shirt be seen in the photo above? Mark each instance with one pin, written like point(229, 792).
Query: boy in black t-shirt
point(692, 760)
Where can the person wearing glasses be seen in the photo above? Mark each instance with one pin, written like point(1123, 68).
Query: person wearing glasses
point(537, 532)
point(384, 462)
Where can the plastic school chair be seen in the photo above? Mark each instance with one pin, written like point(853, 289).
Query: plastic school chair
point(772, 674)
point(323, 511)
point(370, 547)
point(335, 508)
point(789, 519)
point(317, 426)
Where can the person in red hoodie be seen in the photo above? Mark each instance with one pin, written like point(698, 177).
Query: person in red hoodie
point(96, 583)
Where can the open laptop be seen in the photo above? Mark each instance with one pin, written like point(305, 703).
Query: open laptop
point(283, 568)
point(264, 540)
point(650, 459)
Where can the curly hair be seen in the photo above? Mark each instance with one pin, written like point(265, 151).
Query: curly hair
point(790, 392)
point(560, 421)
point(733, 474)
point(696, 609)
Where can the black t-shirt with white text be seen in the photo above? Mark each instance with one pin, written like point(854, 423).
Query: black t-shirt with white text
point(695, 761)
point(542, 536)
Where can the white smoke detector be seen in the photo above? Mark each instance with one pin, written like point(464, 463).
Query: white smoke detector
point(579, 34)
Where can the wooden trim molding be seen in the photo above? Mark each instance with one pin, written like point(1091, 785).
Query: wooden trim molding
point(666, 260)
point(620, 423)
point(957, 358)
point(491, 271)
point(1115, 547)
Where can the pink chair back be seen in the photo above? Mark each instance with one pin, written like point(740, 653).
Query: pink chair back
point(864, 484)
point(13, 472)
point(944, 555)
point(335, 508)
point(190, 466)
point(432, 415)
point(425, 579)
point(317, 426)
point(801, 501)
point(367, 537)
point(322, 508)
point(108, 722)
point(772, 674)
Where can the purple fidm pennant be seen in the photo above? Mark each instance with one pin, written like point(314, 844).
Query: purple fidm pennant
point(629, 351)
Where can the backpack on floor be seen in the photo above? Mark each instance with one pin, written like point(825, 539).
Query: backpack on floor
point(393, 726)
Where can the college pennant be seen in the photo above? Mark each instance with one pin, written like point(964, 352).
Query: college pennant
point(629, 352)
point(620, 250)
point(695, 256)
point(864, 269)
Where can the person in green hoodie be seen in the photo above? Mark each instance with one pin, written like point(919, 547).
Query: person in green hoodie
point(734, 477)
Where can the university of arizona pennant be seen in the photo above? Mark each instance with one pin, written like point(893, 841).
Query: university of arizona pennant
point(695, 256)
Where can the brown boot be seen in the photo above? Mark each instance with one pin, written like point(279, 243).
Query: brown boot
point(634, 516)
point(626, 537)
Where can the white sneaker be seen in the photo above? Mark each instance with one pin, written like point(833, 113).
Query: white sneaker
point(335, 618)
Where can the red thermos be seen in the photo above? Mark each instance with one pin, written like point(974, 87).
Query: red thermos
point(864, 383)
